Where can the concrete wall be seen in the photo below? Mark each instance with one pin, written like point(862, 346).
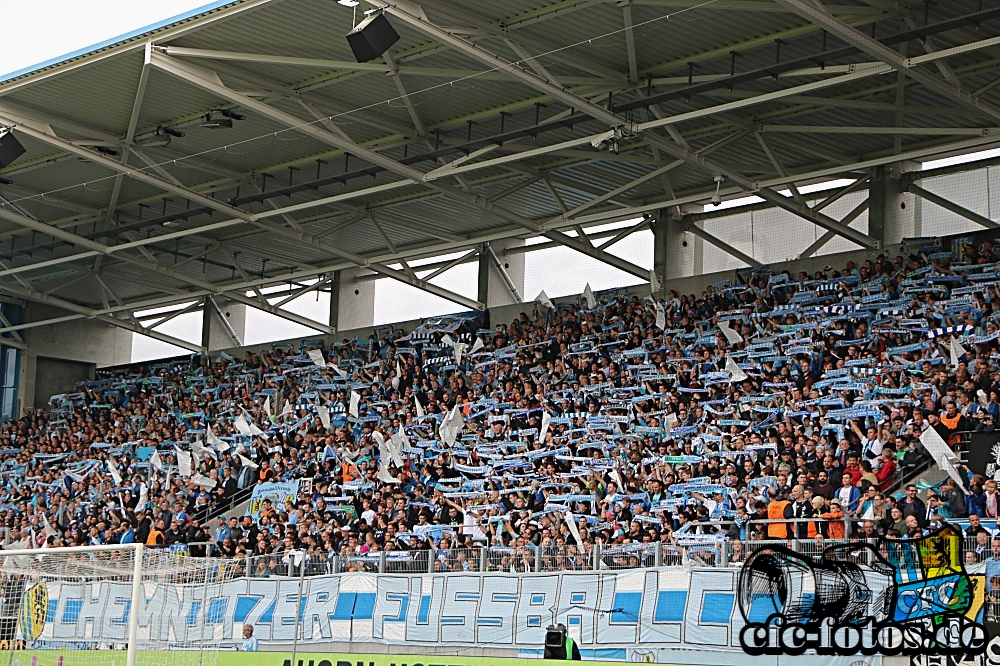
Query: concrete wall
point(86, 340)
point(60, 355)
point(55, 375)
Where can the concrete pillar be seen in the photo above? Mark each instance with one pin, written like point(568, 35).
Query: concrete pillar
point(352, 303)
point(493, 288)
point(215, 333)
point(892, 213)
point(675, 253)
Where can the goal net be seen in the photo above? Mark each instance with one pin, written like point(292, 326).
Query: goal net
point(110, 606)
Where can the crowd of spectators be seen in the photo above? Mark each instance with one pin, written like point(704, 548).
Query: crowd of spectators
point(772, 406)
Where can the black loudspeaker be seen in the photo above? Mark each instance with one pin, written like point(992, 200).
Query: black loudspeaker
point(10, 149)
point(372, 37)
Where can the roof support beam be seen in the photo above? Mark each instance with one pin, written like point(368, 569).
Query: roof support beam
point(817, 14)
point(33, 295)
point(394, 73)
point(130, 132)
point(721, 244)
point(153, 266)
point(137, 174)
point(424, 285)
point(205, 79)
point(583, 246)
point(828, 236)
point(633, 70)
point(953, 207)
point(613, 120)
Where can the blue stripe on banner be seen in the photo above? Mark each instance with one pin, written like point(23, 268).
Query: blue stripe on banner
point(763, 606)
point(50, 611)
point(466, 596)
point(537, 599)
point(404, 604)
point(71, 611)
point(216, 613)
point(626, 607)
point(424, 610)
point(717, 608)
point(500, 596)
point(489, 621)
point(267, 617)
point(244, 604)
point(192, 618)
point(453, 620)
point(364, 606)
point(670, 606)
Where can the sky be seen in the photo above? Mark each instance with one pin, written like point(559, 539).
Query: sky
point(47, 29)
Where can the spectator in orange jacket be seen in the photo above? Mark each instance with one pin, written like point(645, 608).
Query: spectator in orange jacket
point(835, 521)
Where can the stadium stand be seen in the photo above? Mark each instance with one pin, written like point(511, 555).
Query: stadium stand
point(579, 435)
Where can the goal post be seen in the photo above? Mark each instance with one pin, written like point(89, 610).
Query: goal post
point(104, 605)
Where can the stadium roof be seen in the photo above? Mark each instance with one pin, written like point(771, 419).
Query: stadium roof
point(241, 146)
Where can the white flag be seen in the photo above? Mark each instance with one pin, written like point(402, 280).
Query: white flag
point(669, 421)
point(956, 350)
point(287, 409)
point(247, 462)
point(143, 495)
point(544, 300)
point(113, 470)
point(316, 356)
point(154, 460)
point(546, 421)
point(383, 473)
point(254, 430)
point(49, 530)
point(183, 462)
point(242, 426)
point(203, 481)
point(419, 407)
point(736, 373)
point(399, 375)
point(654, 282)
point(477, 345)
point(399, 443)
point(661, 315)
point(339, 371)
point(460, 348)
point(732, 337)
point(451, 426)
point(942, 454)
point(214, 441)
point(267, 408)
point(588, 295)
point(324, 415)
point(202, 452)
point(355, 404)
point(573, 529)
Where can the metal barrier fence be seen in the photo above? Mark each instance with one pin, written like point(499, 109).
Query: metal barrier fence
point(692, 551)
